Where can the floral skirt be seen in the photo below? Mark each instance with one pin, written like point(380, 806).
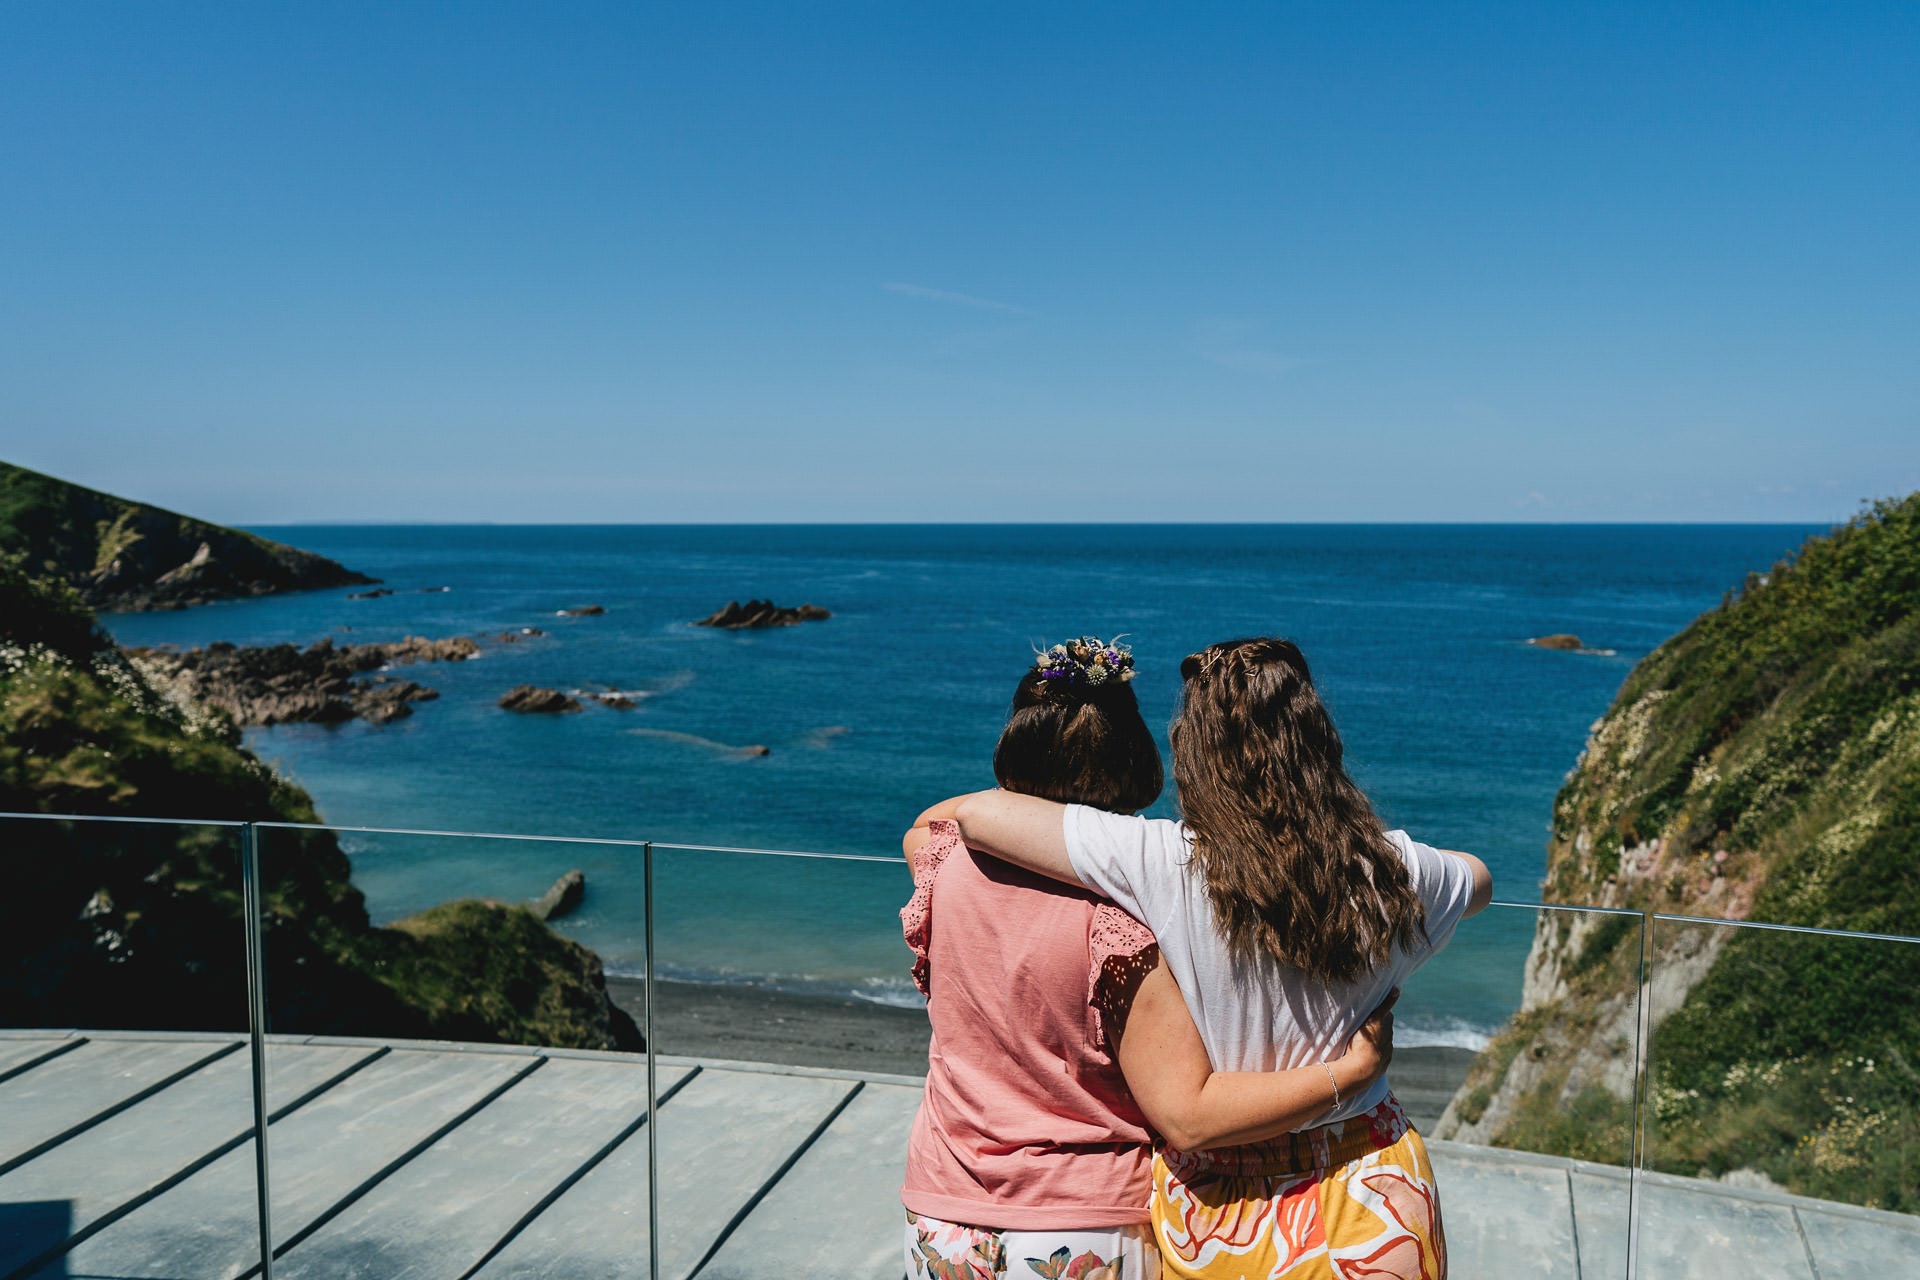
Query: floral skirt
point(949, 1251)
point(1344, 1201)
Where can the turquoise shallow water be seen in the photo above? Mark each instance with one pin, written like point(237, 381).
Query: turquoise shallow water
point(1459, 730)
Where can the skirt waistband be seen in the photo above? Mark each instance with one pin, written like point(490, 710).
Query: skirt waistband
point(1303, 1151)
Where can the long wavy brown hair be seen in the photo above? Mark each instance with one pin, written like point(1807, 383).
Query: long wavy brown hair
point(1296, 862)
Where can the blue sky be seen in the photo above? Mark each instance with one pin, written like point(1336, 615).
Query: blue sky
point(955, 262)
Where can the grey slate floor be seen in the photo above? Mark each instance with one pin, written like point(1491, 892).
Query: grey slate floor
point(127, 1155)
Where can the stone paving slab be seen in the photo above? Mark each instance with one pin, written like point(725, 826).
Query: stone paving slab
point(1600, 1219)
point(23, 1055)
point(442, 1212)
point(116, 1164)
point(1704, 1235)
point(38, 1106)
point(1505, 1219)
point(837, 1214)
point(722, 1137)
point(322, 1154)
point(1847, 1246)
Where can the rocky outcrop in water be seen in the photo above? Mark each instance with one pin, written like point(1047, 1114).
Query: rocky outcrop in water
point(755, 614)
point(125, 555)
point(563, 898)
point(537, 701)
point(1571, 643)
point(285, 684)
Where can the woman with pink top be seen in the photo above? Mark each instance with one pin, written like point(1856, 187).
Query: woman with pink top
point(1029, 1156)
point(1284, 911)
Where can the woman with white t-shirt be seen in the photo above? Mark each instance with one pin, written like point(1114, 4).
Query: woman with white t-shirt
point(1285, 913)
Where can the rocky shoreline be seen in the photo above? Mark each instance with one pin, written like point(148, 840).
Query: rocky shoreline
point(328, 683)
point(285, 684)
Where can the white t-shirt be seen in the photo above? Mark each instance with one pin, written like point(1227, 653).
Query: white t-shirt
point(1256, 1015)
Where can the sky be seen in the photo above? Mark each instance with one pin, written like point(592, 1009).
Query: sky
point(943, 262)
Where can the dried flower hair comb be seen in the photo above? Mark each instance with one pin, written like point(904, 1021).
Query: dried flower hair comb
point(1088, 660)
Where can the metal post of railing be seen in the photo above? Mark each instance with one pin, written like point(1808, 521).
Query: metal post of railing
point(1642, 1087)
point(653, 1093)
point(253, 904)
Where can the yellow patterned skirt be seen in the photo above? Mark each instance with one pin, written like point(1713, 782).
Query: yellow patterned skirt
point(1342, 1202)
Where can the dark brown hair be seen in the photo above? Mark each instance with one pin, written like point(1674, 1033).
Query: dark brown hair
point(1078, 745)
point(1296, 863)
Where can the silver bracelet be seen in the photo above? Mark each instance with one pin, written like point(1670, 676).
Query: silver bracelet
point(1335, 1083)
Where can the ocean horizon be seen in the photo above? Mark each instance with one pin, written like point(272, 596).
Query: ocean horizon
point(1458, 728)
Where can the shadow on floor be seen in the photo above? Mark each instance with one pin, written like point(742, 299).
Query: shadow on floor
point(28, 1228)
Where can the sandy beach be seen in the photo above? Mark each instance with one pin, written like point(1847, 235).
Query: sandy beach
point(754, 1024)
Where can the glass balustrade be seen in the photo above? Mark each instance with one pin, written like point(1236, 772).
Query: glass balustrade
point(453, 1092)
point(1531, 1129)
point(125, 1069)
point(1783, 1118)
point(450, 1092)
point(794, 1045)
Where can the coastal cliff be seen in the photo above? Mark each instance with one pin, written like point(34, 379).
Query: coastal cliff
point(137, 925)
point(124, 555)
point(1764, 765)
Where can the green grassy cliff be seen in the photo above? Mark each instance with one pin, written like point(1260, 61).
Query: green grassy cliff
point(135, 925)
point(1763, 765)
point(120, 554)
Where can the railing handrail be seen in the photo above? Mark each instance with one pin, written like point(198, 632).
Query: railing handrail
point(1783, 928)
point(642, 845)
point(104, 817)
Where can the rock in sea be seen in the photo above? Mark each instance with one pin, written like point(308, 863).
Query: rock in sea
point(762, 613)
point(564, 897)
point(532, 698)
point(385, 700)
point(1562, 641)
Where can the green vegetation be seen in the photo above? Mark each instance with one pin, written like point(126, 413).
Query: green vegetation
point(1796, 1056)
point(138, 925)
point(1763, 764)
point(127, 555)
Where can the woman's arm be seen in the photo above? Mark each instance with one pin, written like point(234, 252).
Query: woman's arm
point(918, 834)
point(1197, 1108)
point(1024, 830)
point(1482, 881)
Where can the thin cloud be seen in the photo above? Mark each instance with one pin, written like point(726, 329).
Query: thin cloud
point(1247, 360)
point(957, 299)
point(1228, 344)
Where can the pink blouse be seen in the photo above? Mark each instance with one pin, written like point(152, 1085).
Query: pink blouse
point(1026, 1123)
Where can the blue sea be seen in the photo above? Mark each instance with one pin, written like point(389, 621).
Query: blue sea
point(1459, 730)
